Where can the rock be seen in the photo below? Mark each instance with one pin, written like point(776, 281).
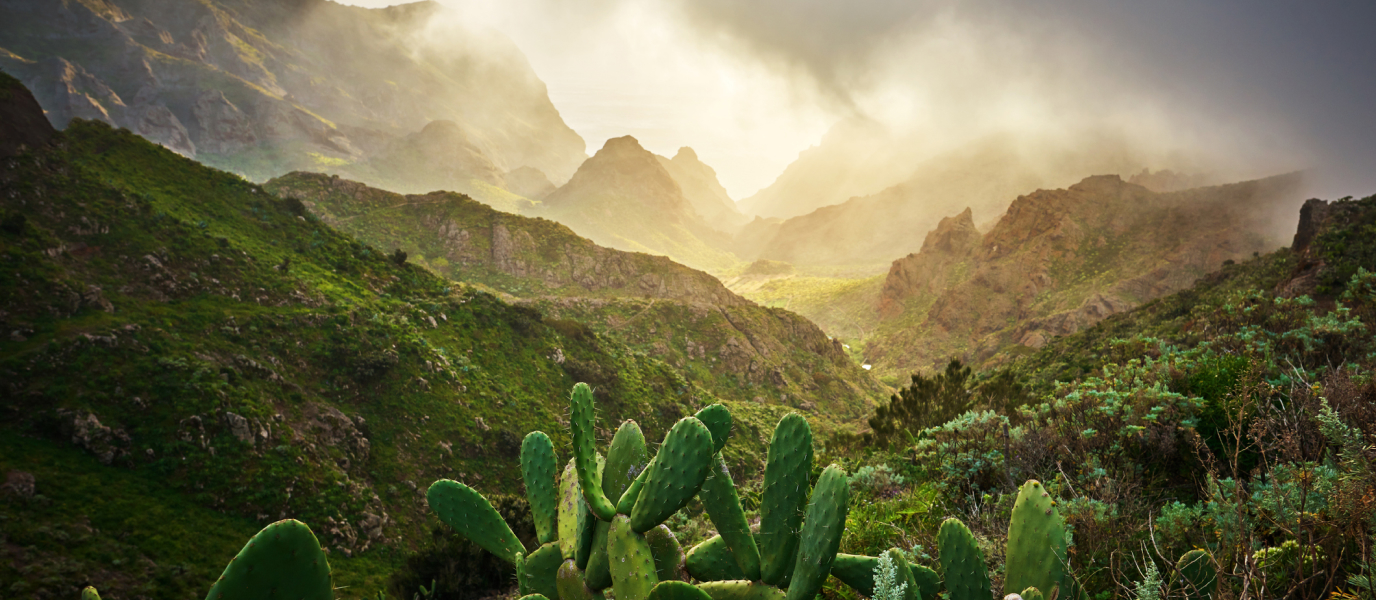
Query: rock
point(157, 123)
point(927, 271)
point(240, 428)
point(19, 483)
point(221, 128)
point(22, 123)
point(86, 431)
point(529, 182)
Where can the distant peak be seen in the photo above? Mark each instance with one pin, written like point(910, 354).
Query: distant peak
point(623, 144)
point(686, 153)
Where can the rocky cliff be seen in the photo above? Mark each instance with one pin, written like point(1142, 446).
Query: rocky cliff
point(262, 88)
point(703, 191)
point(1061, 260)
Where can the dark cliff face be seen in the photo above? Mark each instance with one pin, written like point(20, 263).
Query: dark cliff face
point(1061, 260)
point(22, 124)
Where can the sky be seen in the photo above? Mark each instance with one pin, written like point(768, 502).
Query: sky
point(1245, 87)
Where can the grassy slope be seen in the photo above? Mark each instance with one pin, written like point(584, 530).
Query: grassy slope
point(192, 333)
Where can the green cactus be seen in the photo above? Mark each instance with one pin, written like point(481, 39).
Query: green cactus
point(821, 535)
point(1196, 576)
point(683, 461)
point(741, 590)
point(626, 458)
point(632, 561)
point(90, 593)
point(583, 543)
point(538, 468)
point(284, 559)
point(718, 420)
point(855, 571)
point(628, 499)
point(961, 559)
point(1036, 552)
point(541, 571)
point(712, 561)
point(928, 582)
point(718, 495)
point(677, 590)
point(571, 584)
point(1031, 594)
point(785, 493)
point(598, 574)
point(464, 509)
point(581, 421)
point(533, 597)
point(573, 511)
point(667, 552)
point(521, 573)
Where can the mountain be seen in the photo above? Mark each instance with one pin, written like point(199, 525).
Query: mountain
point(855, 158)
point(703, 191)
point(624, 198)
point(1061, 260)
point(673, 313)
point(263, 88)
point(186, 357)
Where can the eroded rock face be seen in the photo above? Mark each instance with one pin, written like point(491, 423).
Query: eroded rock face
point(331, 427)
point(158, 124)
point(22, 123)
point(87, 432)
point(925, 272)
point(221, 128)
point(19, 483)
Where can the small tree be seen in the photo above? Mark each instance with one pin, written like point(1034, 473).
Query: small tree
point(928, 402)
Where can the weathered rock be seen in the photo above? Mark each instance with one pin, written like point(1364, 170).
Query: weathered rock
point(157, 123)
point(86, 431)
point(221, 128)
point(22, 123)
point(19, 483)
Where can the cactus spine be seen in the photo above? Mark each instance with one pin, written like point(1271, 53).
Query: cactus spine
point(966, 575)
point(785, 492)
point(632, 562)
point(1036, 542)
point(581, 420)
point(683, 461)
point(719, 498)
point(284, 559)
point(538, 467)
point(821, 534)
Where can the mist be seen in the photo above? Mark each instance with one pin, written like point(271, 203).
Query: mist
point(1229, 88)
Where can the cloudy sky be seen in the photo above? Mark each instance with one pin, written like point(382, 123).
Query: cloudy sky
point(1250, 86)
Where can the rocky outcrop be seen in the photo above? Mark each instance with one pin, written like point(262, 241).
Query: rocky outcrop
point(22, 124)
point(1061, 260)
point(87, 432)
point(221, 128)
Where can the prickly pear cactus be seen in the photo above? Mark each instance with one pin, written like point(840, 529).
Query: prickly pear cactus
point(785, 493)
point(967, 577)
point(581, 423)
point(741, 590)
point(718, 420)
point(1031, 594)
point(723, 505)
point(572, 585)
point(283, 560)
point(667, 552)
point(683, 461)
point(628, 499)
point(821, 536)
point(598, 574)
point(712, 561)
point(473, 517)
point(632, 561)
point(1197, 577)
point(541, 572)
point(626, 458)
point(90, 593)
point(538, 468)
point(533, 597)
point(1036, 542)
point(677, 590)
point(856, 571)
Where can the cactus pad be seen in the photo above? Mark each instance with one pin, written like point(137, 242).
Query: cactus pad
point(90, 593)
point(538, 468)
point(464, 509)
point(967, 577)
point(626, 504)
point(1031, 594)
point(521, 574)
point(677, 590)
point(667, 552)
point(718, 420)
point(856, 571)
point(741, 590)
point(581, 422)
point(598, 573)
point(785, 493)
point(718, 495)
point(821, 535)
point(928, 582)
point(632, 562)
point(533, 597)
point(283, 560)
point(626, 458)
point(1197, 575)
point(573, 511)
point(1036, 542)
point(571, 584)
point(683, 461)
point(540, 575)
point(712, 561)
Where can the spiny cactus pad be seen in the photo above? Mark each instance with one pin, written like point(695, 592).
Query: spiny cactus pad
point(1031, 594)
point(712, 561)
point(967, 577)
point(581, 425)
point(598, 573)
point(583, 543)
point(90, 593)
point(718, 420)
point(632, 562)
point(626, 458)
point(856, 571)
point(542, 570)
point(683, 461)
point(533, 597)
point(521, 574)
point(667, 552)
point(632, 494)
point(741, 590)
point(785, 494)
point(538, 468)
point(283, 560)
point(905, 571)
point(821, 535)
point(718, 495)
point(572, 585)
point(464, 509)
point(573, 511)
point(1036, 542)
point(677, 590)
point(1197, 575)
point(928, 582)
